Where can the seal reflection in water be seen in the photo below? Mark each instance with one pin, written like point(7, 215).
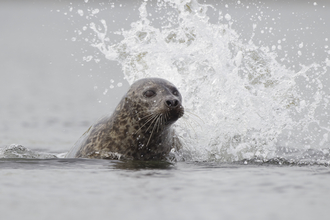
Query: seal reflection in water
point(140, 128)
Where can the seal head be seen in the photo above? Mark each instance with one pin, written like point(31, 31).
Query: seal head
point(140, 128)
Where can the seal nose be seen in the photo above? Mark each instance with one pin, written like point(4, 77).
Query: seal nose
point(172, 103)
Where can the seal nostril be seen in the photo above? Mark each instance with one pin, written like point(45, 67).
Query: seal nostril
point(172, 103)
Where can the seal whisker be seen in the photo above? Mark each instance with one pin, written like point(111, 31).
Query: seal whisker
point(186, 122)
point(167, 116)
point(195, 116)
point(149, 119)
point(146, 116)
point(152, 130)
point(162, 120)
point(154, 119)
point(159, 122)
point(185, 117)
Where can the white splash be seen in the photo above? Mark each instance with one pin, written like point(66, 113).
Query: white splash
point(18, 151)
point(240, 102)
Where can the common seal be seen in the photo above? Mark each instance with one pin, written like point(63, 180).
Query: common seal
point(140, 127)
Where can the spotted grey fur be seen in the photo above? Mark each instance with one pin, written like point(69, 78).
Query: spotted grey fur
point(140, 127)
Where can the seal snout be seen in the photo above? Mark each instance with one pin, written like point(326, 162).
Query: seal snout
point(174, 110)
point(172, 103)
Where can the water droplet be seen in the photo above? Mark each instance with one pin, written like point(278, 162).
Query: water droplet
point(95, 11)
point(88, 58)
point(227, 17)
point(80, 12)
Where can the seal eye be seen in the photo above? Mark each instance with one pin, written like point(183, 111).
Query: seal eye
point(149, 93)
point(175, 92)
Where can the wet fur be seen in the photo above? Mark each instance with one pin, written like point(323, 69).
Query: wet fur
point(140, 128)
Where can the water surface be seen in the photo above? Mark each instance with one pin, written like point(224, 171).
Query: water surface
point(258, 148)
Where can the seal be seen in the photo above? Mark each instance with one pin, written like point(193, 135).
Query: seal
point(140, 127)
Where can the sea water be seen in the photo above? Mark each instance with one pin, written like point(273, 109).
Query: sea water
point(254, 79)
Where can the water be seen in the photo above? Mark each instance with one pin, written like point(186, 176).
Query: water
point(259, 103)
point(255, 82)
point(67, 189)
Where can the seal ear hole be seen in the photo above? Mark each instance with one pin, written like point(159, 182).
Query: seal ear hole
point(149, 93)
